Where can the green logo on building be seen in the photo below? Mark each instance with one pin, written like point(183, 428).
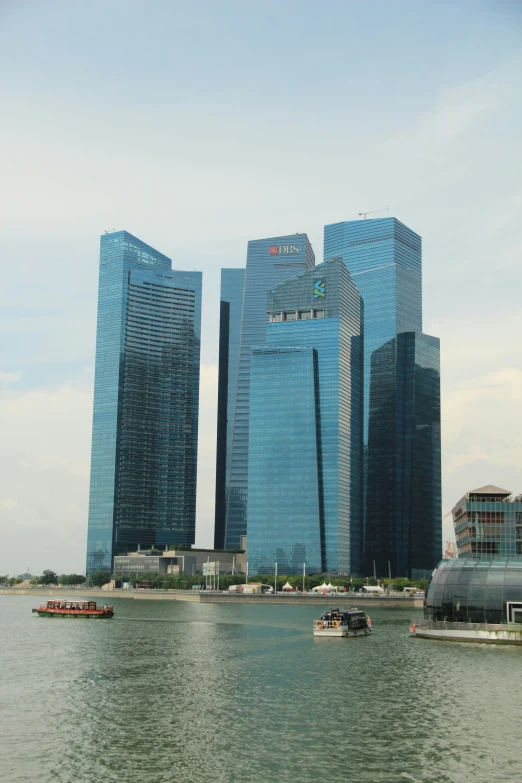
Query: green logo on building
point(319, 289)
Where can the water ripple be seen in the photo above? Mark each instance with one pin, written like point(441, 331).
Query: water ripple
point(175, 692)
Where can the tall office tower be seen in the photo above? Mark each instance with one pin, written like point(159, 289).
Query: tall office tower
point(269, 262)
point(231, 310)
point(384, 258)
point(146, 394)
point(305, 437)
point(404, 512)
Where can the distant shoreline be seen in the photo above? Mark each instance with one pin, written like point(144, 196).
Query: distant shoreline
point(211, 597)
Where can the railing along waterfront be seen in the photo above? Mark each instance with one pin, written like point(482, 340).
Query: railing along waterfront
point(448, 625)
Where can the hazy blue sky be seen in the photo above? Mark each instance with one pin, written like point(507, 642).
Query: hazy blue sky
point(198, 126)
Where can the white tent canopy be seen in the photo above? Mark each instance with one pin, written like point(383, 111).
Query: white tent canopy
point(373, 589)
point(288, 586)
point(322, 587)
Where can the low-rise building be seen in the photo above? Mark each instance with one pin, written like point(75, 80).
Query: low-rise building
point(179, 561)
point(488, 523)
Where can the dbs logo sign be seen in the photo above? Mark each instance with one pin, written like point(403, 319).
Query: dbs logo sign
point(283, 250)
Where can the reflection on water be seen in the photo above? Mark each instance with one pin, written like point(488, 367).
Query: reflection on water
point(187, 692)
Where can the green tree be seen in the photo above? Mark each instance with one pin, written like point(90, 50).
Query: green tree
point(48, 578)
point(99, 579)
point(72, 579)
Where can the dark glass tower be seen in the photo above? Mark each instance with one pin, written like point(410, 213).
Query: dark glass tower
point(384, 258)
point(231, 310)
point(146, 394)
point(403, 523)
point(305, 436)
point(269, 262)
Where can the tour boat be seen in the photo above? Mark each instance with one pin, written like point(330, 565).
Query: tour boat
point(343, 622)
point(66, 607)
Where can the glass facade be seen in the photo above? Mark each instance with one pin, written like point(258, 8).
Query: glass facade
point(488, 523)
point(284, 526)
point(403, 520)
point(384, 257)
point(269, 262)
point(231, 310)
point(476, 591)
point(402, 510)
point(139, 565)
point(146, 394)
point(305, 471)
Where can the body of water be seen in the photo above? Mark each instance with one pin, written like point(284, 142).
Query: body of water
point(170, 691)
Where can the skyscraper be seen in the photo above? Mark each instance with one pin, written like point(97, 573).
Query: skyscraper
point(305, 435)
point(231, 310)
point(403, 521)
point(146, 394)
point(384, 258)
point(269, 262)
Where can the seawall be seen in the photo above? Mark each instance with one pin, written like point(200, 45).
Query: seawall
point(211, 597)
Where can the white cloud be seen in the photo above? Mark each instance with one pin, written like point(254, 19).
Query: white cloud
point(482, 421)
point(44, 475)
point(10, 377)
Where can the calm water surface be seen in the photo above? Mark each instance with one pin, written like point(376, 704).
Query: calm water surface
point(169, 691)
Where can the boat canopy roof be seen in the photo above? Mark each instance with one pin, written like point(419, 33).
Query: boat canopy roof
point(71, 601)
point(352, 610)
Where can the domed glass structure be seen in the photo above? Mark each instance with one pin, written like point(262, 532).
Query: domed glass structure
point(475, 591)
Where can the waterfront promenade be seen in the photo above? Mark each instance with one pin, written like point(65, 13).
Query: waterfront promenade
point(218, 597)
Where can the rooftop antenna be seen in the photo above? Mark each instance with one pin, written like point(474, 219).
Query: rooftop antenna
point(373, 212)
point(109, 231)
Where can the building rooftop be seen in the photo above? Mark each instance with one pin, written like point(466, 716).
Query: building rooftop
point(490, 489)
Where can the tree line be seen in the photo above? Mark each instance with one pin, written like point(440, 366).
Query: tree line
point(186, 581)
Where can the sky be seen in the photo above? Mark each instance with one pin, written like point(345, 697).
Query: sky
point(198, 126)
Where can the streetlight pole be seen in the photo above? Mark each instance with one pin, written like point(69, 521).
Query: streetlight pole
point(275, 580)
point(304, 576)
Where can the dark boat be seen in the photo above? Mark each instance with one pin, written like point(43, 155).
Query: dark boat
point(343, 622)
point(70, 608)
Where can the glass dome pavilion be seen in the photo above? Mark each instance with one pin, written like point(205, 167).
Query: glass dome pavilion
point(470, 590)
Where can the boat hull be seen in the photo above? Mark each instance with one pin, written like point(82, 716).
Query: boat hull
point(341, 632)
point(73, 615)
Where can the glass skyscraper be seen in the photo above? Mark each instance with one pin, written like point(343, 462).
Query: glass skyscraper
point(231, 310)
point(269, 262)
point(146, 395)
point(384, 258)
point(403, 499)
point(305, 433)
